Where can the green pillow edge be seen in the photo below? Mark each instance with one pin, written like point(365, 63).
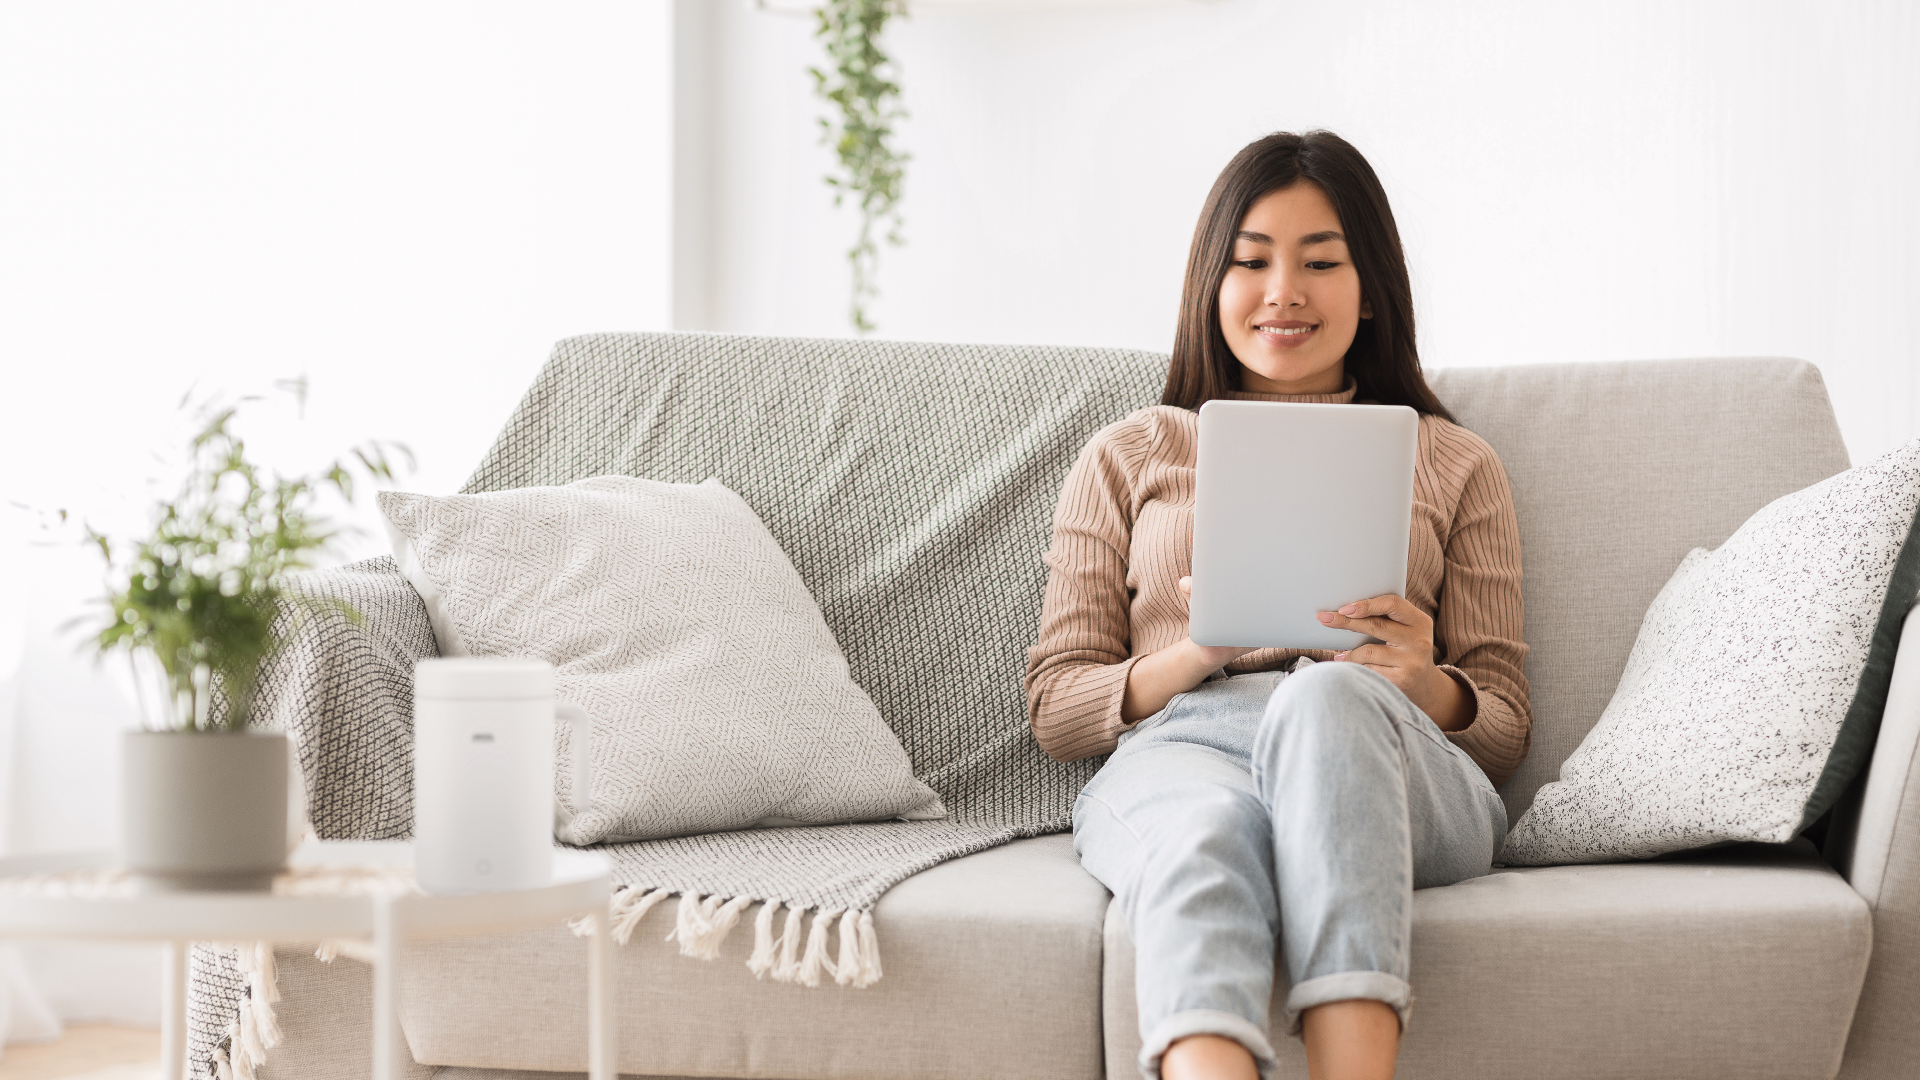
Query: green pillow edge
point(1853, 746)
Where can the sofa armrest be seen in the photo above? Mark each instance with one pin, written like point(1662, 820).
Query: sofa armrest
point(1875, 842)
point(343, 689)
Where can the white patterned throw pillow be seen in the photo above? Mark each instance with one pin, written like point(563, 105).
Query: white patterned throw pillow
point(720, 699)
point(1753, 694)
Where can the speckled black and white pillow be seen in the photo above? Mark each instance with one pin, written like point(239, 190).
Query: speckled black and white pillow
point(1754, 691)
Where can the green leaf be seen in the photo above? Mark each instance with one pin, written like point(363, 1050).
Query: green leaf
point(867, 101)
point(203, 592)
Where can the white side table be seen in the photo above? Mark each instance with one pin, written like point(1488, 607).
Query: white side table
point(82, 895)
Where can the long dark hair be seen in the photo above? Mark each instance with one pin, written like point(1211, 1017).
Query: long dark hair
point(1382, 360)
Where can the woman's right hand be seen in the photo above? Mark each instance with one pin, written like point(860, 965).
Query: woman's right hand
point(1159, 677)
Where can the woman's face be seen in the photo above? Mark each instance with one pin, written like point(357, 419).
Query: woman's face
point(1291, 302)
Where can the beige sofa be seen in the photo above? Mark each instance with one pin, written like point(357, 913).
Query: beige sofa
point(1747, 962)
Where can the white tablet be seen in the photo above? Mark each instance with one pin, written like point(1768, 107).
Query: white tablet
point(1298, 509)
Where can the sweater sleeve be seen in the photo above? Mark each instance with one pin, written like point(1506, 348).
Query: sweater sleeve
point(1480, 619)
point(1077, 670)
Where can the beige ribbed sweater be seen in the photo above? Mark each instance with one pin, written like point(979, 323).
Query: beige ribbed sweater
point(1123, 539)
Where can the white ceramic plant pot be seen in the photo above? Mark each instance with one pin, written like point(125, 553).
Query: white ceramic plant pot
point(205, 810)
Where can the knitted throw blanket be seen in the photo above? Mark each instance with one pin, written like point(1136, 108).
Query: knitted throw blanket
point(913, 487)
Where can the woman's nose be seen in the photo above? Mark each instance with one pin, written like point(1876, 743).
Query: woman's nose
point(1283, 290)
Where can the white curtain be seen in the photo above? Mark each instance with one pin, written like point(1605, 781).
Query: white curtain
point(408, 204)
point(61, 716)
point(25, 1015)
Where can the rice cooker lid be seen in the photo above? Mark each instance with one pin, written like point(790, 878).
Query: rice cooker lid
point(482, 678)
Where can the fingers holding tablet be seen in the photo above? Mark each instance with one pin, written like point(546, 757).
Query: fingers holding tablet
point(1404, 654)
point(1397, 622)
point(1387, 617)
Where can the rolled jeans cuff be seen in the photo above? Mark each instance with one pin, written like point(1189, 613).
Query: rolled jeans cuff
point(1378, 986)
point(1206, 1022)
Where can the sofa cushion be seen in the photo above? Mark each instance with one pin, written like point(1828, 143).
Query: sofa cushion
point(325, 1016)
point(1663, 970)
point(1618, 470)
point(1752, 696)
point(993, 969)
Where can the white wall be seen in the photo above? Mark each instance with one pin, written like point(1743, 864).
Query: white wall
point(406, 202)
point(1573, 182)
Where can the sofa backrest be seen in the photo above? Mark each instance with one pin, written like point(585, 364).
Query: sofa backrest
point(1618, 470)
point(913, 487)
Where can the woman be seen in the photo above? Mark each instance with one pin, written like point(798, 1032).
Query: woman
point(1246, 810)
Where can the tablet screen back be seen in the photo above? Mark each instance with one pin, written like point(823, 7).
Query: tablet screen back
point(1298, 509)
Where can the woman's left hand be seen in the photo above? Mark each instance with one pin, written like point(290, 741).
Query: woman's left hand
point(1404, 655)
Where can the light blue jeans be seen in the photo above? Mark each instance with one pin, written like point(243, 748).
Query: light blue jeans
point(1270, 809)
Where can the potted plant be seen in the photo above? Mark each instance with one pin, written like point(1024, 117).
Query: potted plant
point(198, 607)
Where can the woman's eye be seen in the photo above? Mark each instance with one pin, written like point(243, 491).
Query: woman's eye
point(1321, 264)
point(1251, 264)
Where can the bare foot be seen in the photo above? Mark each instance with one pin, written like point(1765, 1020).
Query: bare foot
point(1207, 1057)
point(1350, 1040)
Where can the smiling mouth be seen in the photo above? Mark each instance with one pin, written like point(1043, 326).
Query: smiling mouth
point(1294, 331)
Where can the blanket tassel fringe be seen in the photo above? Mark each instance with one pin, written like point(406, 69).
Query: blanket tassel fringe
point(256, 1030)
point(799, 954)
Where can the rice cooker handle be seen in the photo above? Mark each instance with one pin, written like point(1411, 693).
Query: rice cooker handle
point(582, 736)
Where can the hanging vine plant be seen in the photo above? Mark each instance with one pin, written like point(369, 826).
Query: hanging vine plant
point(861, 86)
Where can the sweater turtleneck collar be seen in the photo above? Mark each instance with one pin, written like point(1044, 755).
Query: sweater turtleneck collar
point(1344, 397)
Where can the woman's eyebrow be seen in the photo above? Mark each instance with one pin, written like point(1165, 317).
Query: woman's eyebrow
point(1305, 241)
